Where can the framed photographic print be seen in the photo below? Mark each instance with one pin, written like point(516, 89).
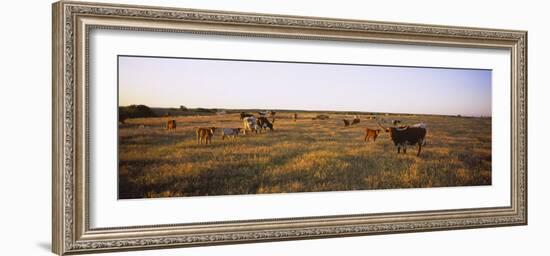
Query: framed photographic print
point(179, 127)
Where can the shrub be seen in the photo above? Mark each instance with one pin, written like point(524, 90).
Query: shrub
point(134, 111)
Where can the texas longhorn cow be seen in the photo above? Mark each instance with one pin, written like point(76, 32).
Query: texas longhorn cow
point(407, 135)
point(263, 123)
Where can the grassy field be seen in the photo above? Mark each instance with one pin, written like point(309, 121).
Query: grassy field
point(307, 155)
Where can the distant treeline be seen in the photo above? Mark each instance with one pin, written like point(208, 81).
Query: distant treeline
point(142, 111)
point(183, 111)
point(134, 111)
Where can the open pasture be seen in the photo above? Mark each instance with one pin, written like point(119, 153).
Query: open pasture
point(303, 156)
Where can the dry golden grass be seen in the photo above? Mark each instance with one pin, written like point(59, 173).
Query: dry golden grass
point(309, 155)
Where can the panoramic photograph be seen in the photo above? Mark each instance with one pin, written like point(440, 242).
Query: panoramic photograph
point(213, 127)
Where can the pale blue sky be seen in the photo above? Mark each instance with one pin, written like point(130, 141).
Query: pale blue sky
point(171, 82)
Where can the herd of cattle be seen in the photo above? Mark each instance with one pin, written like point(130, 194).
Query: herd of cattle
point(402, 135)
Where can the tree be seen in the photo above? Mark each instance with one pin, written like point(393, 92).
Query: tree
point(183, 108)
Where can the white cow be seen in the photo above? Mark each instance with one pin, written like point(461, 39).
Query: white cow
point(234, 132)
point(250, 124)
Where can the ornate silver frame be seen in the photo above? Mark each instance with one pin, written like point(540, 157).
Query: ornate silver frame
point(72, 22)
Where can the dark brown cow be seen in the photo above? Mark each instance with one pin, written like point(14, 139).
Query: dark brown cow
point(407, 135)
point(204, 134)
point(171, 125)
point(295, 116)
point(243, 115)
point(355, 121)
point(371, 133)
point(263, 123)
point(346, 122)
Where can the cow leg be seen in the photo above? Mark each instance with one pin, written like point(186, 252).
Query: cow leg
point(374, 138)
point(419, 149)
point(223, 137)
point(404, 150)
point(398, 149)
point(365, 138)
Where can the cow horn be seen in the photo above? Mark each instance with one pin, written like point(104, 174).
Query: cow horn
point(402, 128)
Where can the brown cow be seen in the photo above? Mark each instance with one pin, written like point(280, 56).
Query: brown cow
point(204, 134)
point(355, 121)
point(371, 133)
point(295, 116)
point(272, 115)
point(171, 125)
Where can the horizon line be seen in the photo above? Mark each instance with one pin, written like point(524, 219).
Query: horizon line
point(310, 110)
